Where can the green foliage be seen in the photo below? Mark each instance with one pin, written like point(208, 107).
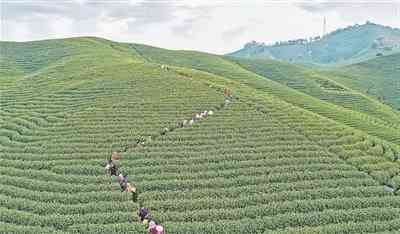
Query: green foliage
point(363, 114)
point(377, 78)
point(261, 164)
point(321, 86)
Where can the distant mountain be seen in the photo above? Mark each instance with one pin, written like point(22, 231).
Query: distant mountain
point(343, 46)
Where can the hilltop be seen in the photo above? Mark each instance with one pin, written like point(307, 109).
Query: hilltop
point(343, 46)
point(279, 158)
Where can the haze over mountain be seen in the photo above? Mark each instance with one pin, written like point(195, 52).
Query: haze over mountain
point(343, 46)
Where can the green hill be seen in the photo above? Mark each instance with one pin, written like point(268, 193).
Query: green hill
point(381, 122)
point(324, 86)
point(272, 161)
point(377, 77)
point(343, 46)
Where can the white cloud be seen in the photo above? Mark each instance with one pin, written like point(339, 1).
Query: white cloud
point(213, 26)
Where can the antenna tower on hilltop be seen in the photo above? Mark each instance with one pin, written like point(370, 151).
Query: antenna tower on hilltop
point(324, 28)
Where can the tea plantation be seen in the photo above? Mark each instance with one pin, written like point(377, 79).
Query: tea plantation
point(274, 160)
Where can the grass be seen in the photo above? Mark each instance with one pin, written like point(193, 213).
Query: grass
point(263, 164)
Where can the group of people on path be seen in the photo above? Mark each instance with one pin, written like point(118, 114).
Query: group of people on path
point(204, 114)
point(196, 117)
point(112, 169)
point(143, 214)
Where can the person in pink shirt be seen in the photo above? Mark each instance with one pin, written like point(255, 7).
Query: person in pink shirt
point(155, 229)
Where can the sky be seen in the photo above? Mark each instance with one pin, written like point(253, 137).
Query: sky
point(217, 26)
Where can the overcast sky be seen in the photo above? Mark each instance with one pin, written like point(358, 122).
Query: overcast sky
point(217, 26)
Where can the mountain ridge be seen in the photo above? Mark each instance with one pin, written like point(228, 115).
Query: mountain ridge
point(343, 46)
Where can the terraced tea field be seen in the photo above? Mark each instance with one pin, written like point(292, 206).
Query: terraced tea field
point(259, 165)
point(357, 111)
point(376, 77)
point(322, 86)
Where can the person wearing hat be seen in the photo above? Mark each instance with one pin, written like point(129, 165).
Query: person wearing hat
point(160, 229)
point(115, 156)
point(132, 189)
point(111, 168)
point(123, 182)
point(155, 229)
point(152, 227)
point(227, 96)
point(143, 214)
point(227, 93)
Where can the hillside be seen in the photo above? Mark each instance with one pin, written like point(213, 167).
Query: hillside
point(321, 85)
point(378, 78)
point(385, 126)
point(262, 164)
point(343, 46)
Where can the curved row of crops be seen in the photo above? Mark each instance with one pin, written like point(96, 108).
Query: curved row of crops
point(260, 165)
point(245, 181)
point(54, 143)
